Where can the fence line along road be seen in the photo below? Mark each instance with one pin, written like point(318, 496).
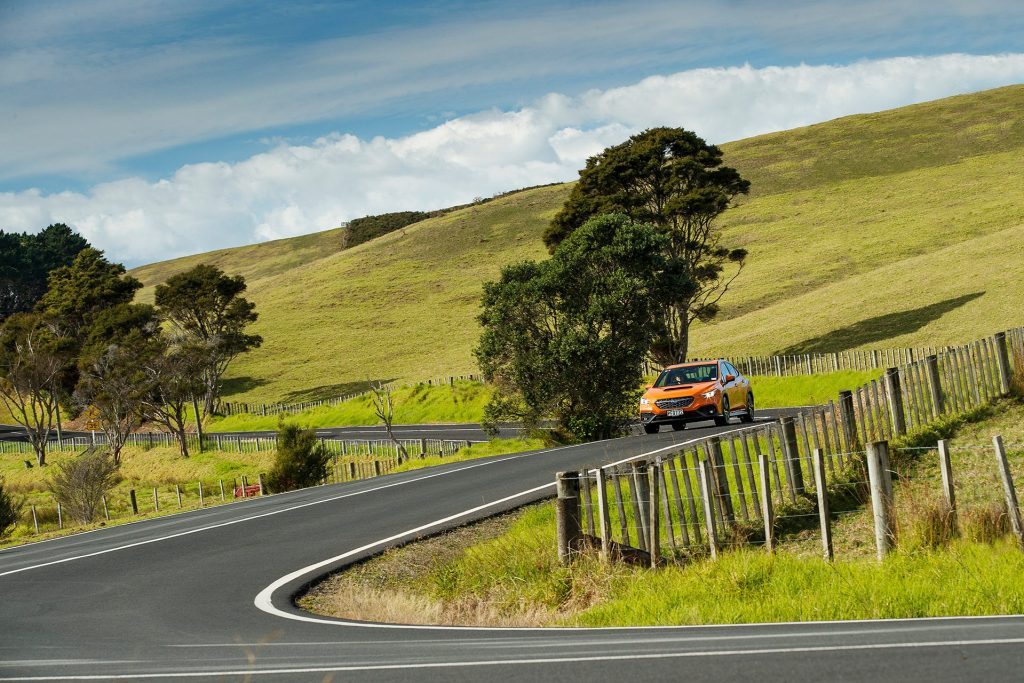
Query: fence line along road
point(740, 487)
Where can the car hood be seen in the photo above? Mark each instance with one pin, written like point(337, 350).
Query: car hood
point(678, 390)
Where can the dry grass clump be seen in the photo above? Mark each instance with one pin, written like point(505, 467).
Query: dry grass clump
point(985, 523)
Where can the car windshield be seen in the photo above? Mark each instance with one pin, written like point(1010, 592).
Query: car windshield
point(690, 374)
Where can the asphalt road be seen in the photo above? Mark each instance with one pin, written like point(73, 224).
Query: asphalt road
point(208, 594)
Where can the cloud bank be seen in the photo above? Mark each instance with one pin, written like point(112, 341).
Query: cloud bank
point(294, 189)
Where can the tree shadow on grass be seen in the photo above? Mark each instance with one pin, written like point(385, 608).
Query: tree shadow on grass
point(879, 328)
point(327, 391)
point(240, 385)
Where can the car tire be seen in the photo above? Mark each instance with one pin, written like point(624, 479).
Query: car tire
point(678, 426)
point(652, 429)
point(748, 414)
point(723, 419)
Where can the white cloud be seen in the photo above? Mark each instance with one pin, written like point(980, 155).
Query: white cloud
point(295, 189)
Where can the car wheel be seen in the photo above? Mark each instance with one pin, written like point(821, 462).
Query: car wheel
point(679, 426)
point(748, 415)
point(652, 429)
point(723, 419)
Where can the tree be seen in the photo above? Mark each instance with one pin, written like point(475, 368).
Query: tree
point(80, 291)
point(10, 509)
point(673, 179)
point(172, 379)
point(384, 407)
point(122, 342)
point(33, 357)
point(205, 306)
point(301, 460)
point(567, 337)
point(26, 261)
point(79, 483)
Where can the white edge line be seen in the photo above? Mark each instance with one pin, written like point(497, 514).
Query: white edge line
point(545, 660)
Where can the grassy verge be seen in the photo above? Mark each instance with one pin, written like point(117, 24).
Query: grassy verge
point(163, 469)
point(785, 392)
point(420, 404)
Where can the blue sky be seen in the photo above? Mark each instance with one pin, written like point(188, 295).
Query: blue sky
point(137, 120)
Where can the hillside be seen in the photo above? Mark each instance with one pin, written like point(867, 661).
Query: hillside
point(902, 227)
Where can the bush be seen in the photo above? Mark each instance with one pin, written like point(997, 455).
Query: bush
point(80, 483)
point(10, 510)
point(301, 460)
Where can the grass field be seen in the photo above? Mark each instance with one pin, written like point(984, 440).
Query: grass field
point(903, 227)
point(506, 571)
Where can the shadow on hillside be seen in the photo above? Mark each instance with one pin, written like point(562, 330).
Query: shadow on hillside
point(331, 390)
point(240, 385)
point(879, 328)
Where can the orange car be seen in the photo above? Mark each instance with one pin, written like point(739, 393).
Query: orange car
point(694, 392)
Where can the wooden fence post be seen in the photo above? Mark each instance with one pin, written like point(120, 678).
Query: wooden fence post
point(767, 515)
point(134, 501)
point(156, 500)
point(791, 452)
point(654, 486)
point(823, 511)
point(201, 501)
point(948, 490)
point(221, 482)
point(60, 516)
point(259, 480)
point(721, 479)
point(567, 514)
point(894, 396)
point(177, 490)
point(881, 497)
point(1002, 363)
point(604, 523)
point(706, 484)
point(106, 510)
point(35, 519)
point(848, 420)
point(1011, 494)
point(934, 385)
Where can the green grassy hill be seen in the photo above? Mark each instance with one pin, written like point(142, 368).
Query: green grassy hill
point(904, 227)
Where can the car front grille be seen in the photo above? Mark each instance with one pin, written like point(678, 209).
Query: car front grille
point(667, 403)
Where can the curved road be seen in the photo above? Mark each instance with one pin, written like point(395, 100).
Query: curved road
point(208, 595)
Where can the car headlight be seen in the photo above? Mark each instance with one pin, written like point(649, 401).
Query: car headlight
point(645, 402)
point(710, 394)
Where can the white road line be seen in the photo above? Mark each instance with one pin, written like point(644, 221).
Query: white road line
point(544, 660)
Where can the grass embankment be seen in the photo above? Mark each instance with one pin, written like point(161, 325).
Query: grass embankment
point(897, 228)
point(507, 571)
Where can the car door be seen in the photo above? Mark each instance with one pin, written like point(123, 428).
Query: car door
point(734, 390)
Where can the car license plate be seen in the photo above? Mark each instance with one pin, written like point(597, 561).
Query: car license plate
point(675, 413)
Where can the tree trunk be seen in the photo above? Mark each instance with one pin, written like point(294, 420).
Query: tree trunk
point(39, 446)
point(182, 438)
point(683, 343)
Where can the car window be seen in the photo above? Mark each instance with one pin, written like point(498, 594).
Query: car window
point(730, 370)
point(690, 374)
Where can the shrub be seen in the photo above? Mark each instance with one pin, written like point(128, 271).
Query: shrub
point(985, 523)
point(10, 510)
point(930, 523)
point(301, 460)
point(80, 483)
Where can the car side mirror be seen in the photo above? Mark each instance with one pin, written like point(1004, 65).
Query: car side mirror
point(730, 378)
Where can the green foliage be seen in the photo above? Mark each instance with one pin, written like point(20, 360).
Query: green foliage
point(26, 261)
point(207, 309)
point(671, 178)
point(301, 460)
point(567, 337)
point(369, 227)
point(90, 284)
point(10, 509)
point(80, 483)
